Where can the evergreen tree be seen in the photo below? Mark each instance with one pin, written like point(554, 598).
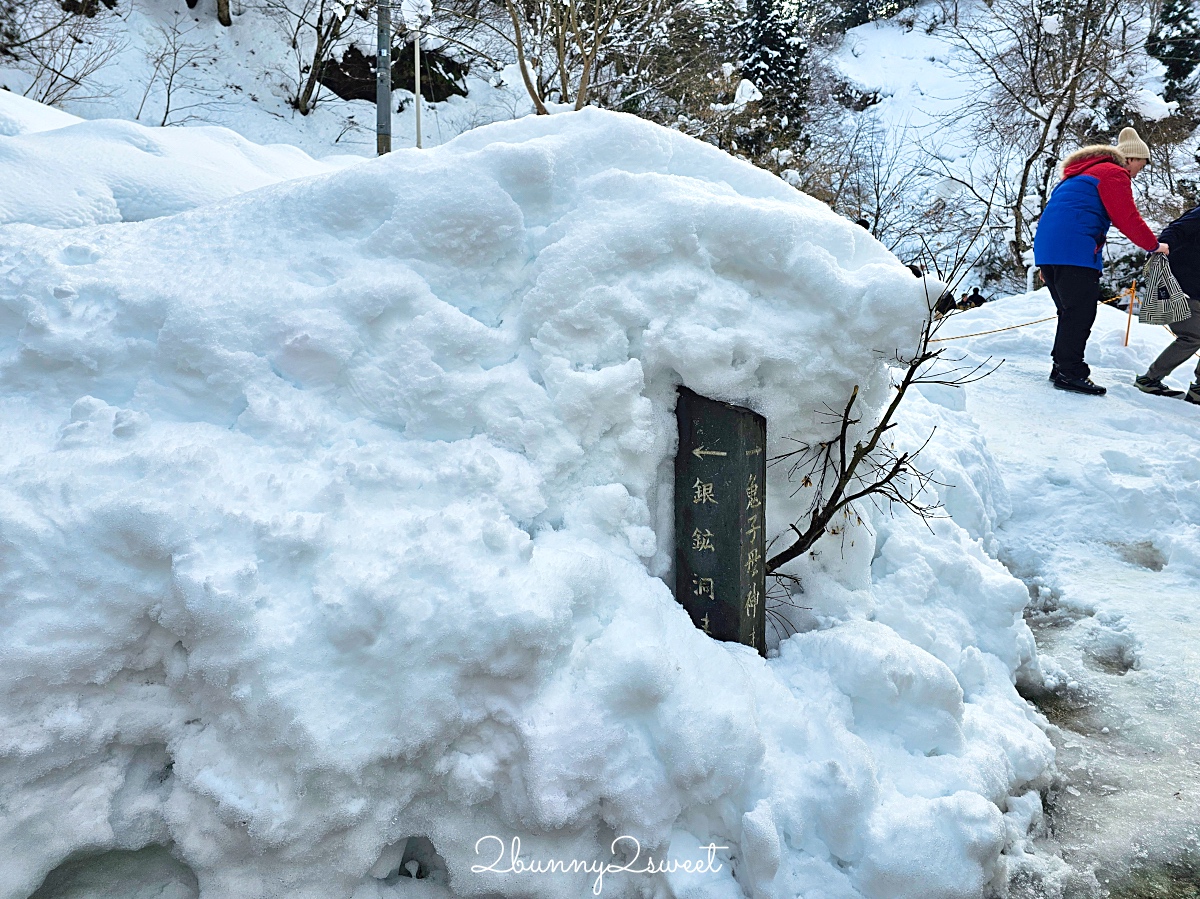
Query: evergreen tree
point(853, 13)
point(1176, 42)
point(777, 62)
point(778, 59)
point(9, 33)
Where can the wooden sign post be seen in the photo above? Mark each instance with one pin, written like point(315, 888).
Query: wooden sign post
point(720, 518)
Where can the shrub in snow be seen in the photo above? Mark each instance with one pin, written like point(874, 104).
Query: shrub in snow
point(339, 512)
point(353, 76)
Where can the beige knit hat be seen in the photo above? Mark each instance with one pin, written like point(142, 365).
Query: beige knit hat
point(1131, 146)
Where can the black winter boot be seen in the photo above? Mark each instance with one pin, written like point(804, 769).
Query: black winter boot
point(1085, 385)
point(1193, 394)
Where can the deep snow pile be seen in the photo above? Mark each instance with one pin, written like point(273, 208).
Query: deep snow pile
point(335, 514)
point(59, 171)
point(21, 116)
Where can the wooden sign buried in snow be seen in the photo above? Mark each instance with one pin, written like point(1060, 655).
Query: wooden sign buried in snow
point(720, 506)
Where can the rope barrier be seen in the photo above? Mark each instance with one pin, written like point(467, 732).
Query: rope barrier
point(993, 331)
point(1127, 292)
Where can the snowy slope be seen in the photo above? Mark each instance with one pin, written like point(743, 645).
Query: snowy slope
point(914, 71)
point(1105, 528)
point(334, 514)
point(927, 82)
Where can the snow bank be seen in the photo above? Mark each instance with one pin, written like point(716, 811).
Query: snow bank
point(58, 171)
point(335, 514)
point(19, 115)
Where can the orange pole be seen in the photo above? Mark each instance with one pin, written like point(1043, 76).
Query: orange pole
point(1129, 321)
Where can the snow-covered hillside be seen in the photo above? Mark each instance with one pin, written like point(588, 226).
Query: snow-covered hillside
point(166, 64)
point(336, 513)
point(963, 125)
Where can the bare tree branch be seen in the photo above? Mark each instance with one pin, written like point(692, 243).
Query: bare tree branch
point(840, 476)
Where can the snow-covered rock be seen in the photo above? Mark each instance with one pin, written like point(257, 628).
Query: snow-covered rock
point(338, 512)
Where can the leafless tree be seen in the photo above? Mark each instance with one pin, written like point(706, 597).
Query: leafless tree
point(564, 47)
point(175, 60)
point(61, 50)
point(666, 60)
point(859, 462)
point(921, 207)
point(1049, 73)
point(22, 24)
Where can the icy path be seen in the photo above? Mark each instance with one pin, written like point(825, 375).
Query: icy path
point(1104, 530)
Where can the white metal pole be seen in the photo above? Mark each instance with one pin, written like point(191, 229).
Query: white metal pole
point(417, 91)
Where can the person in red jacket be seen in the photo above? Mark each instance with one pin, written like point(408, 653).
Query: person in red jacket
point(1095, 192)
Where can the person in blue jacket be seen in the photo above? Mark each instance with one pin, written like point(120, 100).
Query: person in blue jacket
point(1183, 235)
point(1096, 191)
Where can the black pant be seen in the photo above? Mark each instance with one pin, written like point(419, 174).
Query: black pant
point(1076, 291)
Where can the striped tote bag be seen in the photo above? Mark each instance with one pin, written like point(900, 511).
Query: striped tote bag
point(1164, 302)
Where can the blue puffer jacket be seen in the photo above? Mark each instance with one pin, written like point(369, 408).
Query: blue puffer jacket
point(1095, 193)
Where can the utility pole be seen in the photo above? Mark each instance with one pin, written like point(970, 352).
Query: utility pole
point(383, 82)
point(417, 89)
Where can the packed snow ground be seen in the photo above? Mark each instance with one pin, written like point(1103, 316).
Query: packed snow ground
point(335, 513)
point(1105, 528)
